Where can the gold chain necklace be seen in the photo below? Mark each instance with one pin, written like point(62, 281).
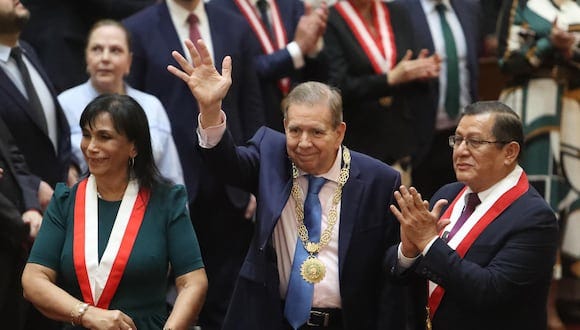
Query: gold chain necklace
point(312, 269)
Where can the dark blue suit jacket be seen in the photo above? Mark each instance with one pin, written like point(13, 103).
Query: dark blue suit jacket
point(468, 13)
point(367, 228)
point(502, 282)
point(154, 37)
point(279, 64)
point(39, 152)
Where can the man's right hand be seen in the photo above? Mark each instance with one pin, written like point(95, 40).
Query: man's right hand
point(310, 28)
point(207, 85)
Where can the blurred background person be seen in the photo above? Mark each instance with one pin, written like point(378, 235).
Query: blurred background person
point(20, 219)
point(452, 30)
point(538, 50)
point(220, 213)
point(370, 50)
point(290, 33)
point(102, 255)
point(58, 31)
point(108, 57)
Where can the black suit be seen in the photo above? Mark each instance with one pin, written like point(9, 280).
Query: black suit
point(382, 131)
point(41, 157)
point(17, 194)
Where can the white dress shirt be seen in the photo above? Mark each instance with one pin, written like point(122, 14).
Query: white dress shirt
point(179, 18)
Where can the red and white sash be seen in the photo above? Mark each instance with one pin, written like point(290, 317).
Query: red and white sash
point(383, 53)
point(502, 203)
point(259, 29)
point(98, 281)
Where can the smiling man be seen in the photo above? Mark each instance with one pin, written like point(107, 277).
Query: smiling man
point(488, 258)
point(316, 258)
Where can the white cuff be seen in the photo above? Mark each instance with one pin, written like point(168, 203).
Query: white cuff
point(209, 137)
point(404, 262)
point(296, 54)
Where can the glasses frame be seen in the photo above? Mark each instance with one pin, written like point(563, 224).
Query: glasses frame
point(456, 140)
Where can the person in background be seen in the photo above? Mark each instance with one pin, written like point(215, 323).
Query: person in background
point(221, 214)
point(539, 51)
point(58, 30)
point(370, 50)
point(28, 103)
point(322, 224)
point(452, 30)
point(20, 219)
point(480, 254)
point(290, 33)
point(108, 57)
point(101, 258)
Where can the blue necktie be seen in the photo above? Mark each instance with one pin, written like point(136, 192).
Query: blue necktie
point(452, 92)
point(299, 295)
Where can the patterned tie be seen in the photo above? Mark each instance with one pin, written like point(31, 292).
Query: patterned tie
point(452, 92)
point(33, 98)
point(299, 296)
point(263, 8)
point(194, 34)
point(472, 202)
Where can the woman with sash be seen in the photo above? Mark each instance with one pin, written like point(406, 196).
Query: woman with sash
point(370, 49)
point(538, 48)
point(105, 247)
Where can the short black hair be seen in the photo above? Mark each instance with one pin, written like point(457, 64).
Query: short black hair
point(129, 119)
point(507, 126)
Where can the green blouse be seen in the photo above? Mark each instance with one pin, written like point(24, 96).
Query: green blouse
point(166, 236)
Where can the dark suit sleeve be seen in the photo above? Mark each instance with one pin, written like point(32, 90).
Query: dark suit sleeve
point(27, 182)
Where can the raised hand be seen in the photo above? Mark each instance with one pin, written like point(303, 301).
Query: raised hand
point(418, 224)
point(207, 85)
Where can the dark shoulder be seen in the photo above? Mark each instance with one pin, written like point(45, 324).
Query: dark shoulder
point(367, 164)
point(168, 192)
point(146, 14)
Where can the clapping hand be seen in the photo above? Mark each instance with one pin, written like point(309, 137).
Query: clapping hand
point(207, 85)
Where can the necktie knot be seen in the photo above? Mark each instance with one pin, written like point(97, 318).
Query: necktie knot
point(472, 201)
point(192, 19)
point(441, 8)
point(262, 5)
point(16, 53)
point(315, 183)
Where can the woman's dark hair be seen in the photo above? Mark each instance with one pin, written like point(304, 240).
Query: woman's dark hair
point(130, 120)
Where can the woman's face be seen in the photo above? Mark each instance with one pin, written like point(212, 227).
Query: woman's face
point(108, 58)
point(107, 152)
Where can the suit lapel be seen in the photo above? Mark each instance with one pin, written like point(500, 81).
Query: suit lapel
point(352, 194)
point(421, 24)
point(220, 45)
point(8, 86)
point(279, 195)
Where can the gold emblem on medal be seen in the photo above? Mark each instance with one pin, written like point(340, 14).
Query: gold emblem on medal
point(312, 270)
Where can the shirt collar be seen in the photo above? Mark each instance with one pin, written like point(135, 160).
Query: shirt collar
point(513, 175)
point(181, 14)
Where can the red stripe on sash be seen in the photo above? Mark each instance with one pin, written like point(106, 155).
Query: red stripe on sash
point(129, 237)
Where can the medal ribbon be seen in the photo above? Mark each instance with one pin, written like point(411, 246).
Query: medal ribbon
point(382, 55)
point(98, 281)
point(263, 37)
point(497, 208)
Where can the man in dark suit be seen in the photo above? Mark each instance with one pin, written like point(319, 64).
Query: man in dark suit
point(492, 266)
point(28, 105)
point(217, 210)
point(20, 218)
point(432, 167)
point(291, 47)
point(342, 278)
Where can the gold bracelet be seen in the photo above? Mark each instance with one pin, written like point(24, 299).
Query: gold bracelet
point(76, 314)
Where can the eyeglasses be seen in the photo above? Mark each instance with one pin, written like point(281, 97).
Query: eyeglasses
point(455, 141)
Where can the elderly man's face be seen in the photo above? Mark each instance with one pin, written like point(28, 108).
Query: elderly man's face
point(311, 141)
point(483, 166)
point(13, 16)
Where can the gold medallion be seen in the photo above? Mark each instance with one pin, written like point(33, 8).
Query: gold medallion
point(312, 247)
point(312, 270)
